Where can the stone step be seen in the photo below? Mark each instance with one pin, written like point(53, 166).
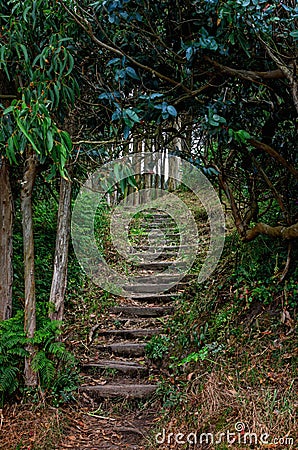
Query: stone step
point(161, 278)
point(153, 256)
point(123, 322)
point(150, 288)
point(125, 349)
point(134, 334)
point(126, 367)
point(159, 217)
point(168, 247)
point(142, 311)
point(160, 298)
point(157, 265)
point(164, 233)
point(128, 391)
point(158, 226)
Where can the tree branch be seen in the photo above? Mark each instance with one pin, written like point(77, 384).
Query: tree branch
point(235, 210)
point(288, 71)
point(287, 233)
point(272, 152)
point(250, 75)
point(7, 96)
point(272, 187)
point(88, 29)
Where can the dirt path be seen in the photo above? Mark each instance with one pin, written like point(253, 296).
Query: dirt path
point(107, 432)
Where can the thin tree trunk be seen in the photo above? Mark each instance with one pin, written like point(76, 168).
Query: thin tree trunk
point(59, 280)
point(29, 270)
point(137, 148)
point(6, 224)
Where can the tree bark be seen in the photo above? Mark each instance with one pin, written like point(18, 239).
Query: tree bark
point(59, 280)
point(6, 224)
point(249, 234)
point(250, 75)
point(29, 269)
point(287, 233)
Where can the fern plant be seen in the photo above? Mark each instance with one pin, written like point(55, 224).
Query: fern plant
point(56, 367)
point(12, 353)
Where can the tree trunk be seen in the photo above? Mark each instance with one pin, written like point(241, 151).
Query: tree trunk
point(59, 280)
point(29, 272)
point(6, 223)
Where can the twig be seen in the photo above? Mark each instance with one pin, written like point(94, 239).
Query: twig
point(100, 417)
point(287, 266)
point(82, 22)
point(93, 329)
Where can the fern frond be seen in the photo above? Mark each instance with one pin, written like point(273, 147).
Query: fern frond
point(46, 368)
point(9, 379)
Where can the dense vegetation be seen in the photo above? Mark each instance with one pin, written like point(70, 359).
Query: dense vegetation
point(83, 82)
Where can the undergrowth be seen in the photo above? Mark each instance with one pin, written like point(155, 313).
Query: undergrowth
point(56, 367)
point(230, 359)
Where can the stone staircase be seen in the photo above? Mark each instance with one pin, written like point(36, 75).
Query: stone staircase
point(118, 367)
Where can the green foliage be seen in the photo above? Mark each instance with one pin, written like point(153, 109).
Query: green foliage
point(195, 356)
point(255, 281)
point(12, 353)
point(158, 347)
point(44, 219)
point(36, 54)
point(56, 367)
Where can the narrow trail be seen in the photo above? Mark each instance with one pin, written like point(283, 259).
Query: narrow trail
point(116, 368)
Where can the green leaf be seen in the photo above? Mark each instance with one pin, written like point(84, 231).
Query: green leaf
point(8, 110)
point(123, 185)
point(172, 111)
point(294, 35)
point(50, 140)
point(242, 135)
point(128, 122)
point(57, 94)
point(192, 357)
point(219, 119)
point(26, 133)
point(62, 151)
point(132, 73)
point(26, 57)
point(11, 151)
point(126, 132)
point(213, 123)
point(66, 139)
point(52, 173)
point(132, 181)
point(132, 115)
point(70, 63)
point(116, 114)
point(113, 61)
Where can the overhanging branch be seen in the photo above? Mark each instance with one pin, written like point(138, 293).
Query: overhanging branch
point(86, 25)
point(287, 233)
point(250, 75)
point(272, 152)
